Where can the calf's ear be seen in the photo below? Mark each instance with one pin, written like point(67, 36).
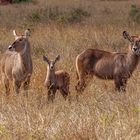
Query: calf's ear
point(45, 58)
point(57, 58)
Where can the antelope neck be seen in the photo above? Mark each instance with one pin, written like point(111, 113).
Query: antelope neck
point(24, 49)
point(25, 57)
point(132, 60)
point(50, 75)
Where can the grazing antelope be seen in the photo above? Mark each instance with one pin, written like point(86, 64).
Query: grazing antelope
point(56, 80)
point(106, 65)
point(16, 63)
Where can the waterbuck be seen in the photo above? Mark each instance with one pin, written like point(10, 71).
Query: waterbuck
point(56, 80)
point(106, 65)
point(16, 63)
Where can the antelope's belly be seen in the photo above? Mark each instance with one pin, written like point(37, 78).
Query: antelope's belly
point(104, 70)
point(19, 74)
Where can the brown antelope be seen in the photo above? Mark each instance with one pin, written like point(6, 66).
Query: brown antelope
point(16, 63)
point(56, 80)
point(106, 65)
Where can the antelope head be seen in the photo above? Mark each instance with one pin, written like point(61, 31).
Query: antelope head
point(134, 43)
point(51, 63)
point(20, 43)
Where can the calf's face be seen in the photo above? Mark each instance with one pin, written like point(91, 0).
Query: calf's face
point(51, 63)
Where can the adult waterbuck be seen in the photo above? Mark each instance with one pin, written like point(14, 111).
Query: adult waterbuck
point(16, 63)
point(106, 65)
point(56, 80)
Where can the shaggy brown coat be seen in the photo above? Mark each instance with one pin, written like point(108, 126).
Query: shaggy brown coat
point(56, 80)
point(106, 65)
point(16, 63)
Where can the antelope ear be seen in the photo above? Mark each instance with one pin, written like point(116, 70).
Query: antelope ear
point(127, 36)
point(57, 58)
point(14, 33)
point(27, 33)
point(45, 58)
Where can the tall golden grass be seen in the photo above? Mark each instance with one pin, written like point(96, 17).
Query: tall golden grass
point(101, 113)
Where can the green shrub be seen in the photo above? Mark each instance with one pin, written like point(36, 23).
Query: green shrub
point(77, 15)
point(74, 16)
point(135, 13)
point(35, 17)
point(54, 15)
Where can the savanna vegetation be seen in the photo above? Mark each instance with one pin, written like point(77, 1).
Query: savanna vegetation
point(67, 27)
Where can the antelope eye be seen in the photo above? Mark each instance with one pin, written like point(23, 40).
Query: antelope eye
point(138, 43)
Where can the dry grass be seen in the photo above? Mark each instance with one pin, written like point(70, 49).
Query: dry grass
point(101, 113)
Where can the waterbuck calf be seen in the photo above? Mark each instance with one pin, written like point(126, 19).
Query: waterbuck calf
point(16, 63)
point(56, 80)
point(106, 65)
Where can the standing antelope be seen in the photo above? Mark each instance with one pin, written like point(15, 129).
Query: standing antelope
point(56, 80)
point(106, 65)
point(16, 64)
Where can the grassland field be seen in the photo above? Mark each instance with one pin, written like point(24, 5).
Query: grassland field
point(101, 113)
